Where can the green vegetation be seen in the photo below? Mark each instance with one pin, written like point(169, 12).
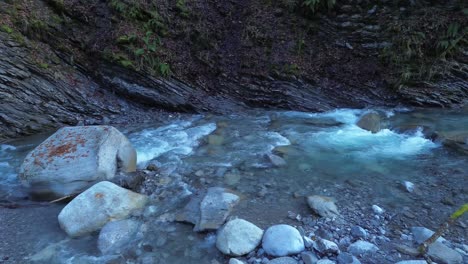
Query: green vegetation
point(181, 7)
point(6, 29)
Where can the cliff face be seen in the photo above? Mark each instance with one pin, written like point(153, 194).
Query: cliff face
point(63, 62)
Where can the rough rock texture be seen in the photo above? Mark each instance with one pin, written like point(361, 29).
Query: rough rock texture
point(116, 234)
point(370, 122)
point(238, 237)
point(74, 158)
point(362, 247)
point(282, 240)
point(101, 203)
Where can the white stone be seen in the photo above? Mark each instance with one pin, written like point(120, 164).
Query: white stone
point(282, 240)
point(377, 209)
point(322, 205)
point(326, 246)
point(362, 247)
point(238, 237)
point(93, 208)
point(409, 186)
point(74, 158)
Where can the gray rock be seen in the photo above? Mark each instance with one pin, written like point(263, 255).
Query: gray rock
point(440, 253)
point(309, 257)
point(238, 237)
point(93, 208)
point(116, 234)
point(283, 260)
point(325, 261)
point(358, 232)
point(277, 161)
point(421, 234)
point(412, 262)
point(362, 247)
point(370, 121)
point(282, 240)
point(235, 261)
point(346, 258)
point(74, 158)
point(215, 208)
point(407, 250)
point(409, 186)
point(326, 246)
point(377, 209)
point(323, 206)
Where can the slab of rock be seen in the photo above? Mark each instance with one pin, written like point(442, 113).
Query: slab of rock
point(440, 253)
point(421, 234)
point(323, 206)
point(93, 208)
point(283, 260)
point(238, 237)
point(209, 211)
point(74, 158)
point(370, 122)
point(362, 247)
point(282, 240)
point(117, 234)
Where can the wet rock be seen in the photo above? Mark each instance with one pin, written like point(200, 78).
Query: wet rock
point(309, 257)
point(277, 161)
point(370, 121)
point(326, 246)
point(362, 247)
point(215, 140)
point(92, 209)
point(323, 206)
point(116, 234)
point(358, 232)
point(377, 209)
point(238, 237)
point(421, 234)
point(457, 140)
point(282, 240)
point(208, 212)
point(346, 258)
point(74, 158)
point(440, 253)
point(283, 260)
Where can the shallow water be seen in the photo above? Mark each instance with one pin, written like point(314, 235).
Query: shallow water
point(321, 150)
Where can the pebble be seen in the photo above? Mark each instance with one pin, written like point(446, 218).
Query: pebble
point(358, 232)
point(362, 247)
point(409, 186)
point(377, 209)
point(323, 206)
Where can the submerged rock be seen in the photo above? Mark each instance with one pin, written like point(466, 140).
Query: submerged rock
point(238, 237)
point(370, 121)
point(282, 240)
point(74, 158)
point(101, 203)
point(323, 206)
point(116, 234)
point(209, 212)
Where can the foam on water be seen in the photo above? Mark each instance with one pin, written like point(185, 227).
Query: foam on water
point(178, 138)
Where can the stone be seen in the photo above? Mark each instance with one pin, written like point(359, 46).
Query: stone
point(283, 260)
point(325, 261)
point(358, 232)
point(440, 253)
point(309, 257)
point(411, 251)
point(93, 208)
point(282, 240)
point(421, 234)
point(346, 258)
point(238, 237)
point(277, 161)
point(412, 262)
point(116, 234)
point(370, 122)
point(377, 209)
point(362, 247)
point(457, 140)
point(323, 206)
point(409, 186)
point(326, 246)
point(235, 261)
point(75, 158)
point(215, 208)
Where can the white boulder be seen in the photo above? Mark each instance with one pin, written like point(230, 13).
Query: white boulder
point(238, 237)
point(282, 240)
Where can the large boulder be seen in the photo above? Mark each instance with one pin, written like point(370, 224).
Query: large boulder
point(457, 140)
point(238, 237)
point(74, 158)
point(370, 121)
point(93, 208)
point(282, 240)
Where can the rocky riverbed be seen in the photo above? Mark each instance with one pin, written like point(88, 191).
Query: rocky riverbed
point(374, 191)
